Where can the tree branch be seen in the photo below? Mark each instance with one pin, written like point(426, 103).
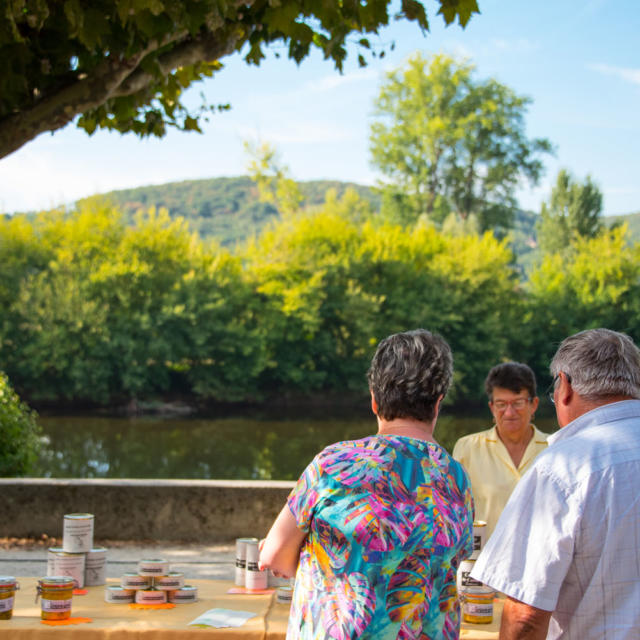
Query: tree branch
point(113, 78)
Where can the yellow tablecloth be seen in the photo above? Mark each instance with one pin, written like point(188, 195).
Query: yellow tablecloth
point(121, 622)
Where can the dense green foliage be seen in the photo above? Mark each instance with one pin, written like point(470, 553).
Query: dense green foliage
point(451, 145)
point(100, 311)
point(124, 64)
point(19, 433)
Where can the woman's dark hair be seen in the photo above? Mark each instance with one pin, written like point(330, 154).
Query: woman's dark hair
point(514, 376)
point(408, 373)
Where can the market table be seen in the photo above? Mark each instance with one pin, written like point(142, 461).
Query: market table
point(122, 622)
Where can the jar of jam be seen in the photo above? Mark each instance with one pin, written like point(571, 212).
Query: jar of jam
point(55, 594)
point(477, 608)
point(8, 586)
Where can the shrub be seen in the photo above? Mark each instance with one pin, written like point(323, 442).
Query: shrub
point(19, 433)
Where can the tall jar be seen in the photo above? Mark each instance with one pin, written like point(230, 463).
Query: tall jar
point(56, 593)
point(8, 586)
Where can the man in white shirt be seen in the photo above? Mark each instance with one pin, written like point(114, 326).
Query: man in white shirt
point(566, 550)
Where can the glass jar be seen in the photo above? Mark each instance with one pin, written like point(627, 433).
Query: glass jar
point(477, 608)
point(55, 594)
point(8, 587)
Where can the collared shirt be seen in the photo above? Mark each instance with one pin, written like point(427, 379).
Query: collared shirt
point(388, 521)
point(491, 470)
point(568, 540)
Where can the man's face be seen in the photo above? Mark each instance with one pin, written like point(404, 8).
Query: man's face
point(512, 411)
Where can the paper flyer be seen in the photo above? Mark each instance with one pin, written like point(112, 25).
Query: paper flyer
point(219, 618)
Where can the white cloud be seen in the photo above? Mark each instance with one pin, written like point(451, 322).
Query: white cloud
point(336, 81)
point(520, 45)
point(624, 73)
point(298, 133)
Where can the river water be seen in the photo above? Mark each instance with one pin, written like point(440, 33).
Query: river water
point(243, 448)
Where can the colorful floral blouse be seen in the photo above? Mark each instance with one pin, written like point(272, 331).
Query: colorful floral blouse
point(388, 520)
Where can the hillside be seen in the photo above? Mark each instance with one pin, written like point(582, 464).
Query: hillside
point(230, 209)
point(226, 208)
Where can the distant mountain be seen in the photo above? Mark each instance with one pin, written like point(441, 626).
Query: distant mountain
point(227, 208)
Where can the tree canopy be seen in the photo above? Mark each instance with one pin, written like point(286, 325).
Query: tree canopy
point(451, 143)
point(124, 64)
point(573, 212)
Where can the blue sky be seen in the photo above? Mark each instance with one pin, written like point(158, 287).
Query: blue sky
point(579, 61)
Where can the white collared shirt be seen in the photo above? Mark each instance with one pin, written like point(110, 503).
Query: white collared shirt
point(568, 540)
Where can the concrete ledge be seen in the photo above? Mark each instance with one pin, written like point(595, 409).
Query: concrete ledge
point(173, 510)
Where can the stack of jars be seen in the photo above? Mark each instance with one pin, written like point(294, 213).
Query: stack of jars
point(77, 558)
point(153, 583)
point(477, 598)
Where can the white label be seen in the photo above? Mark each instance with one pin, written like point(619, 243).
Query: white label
point(77, 535)
point(255, 579)
point(478, 609)
point(6, 604)
point(51, 606)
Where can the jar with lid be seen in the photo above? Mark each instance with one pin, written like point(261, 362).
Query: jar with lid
point(8, 587)
point(56, 593)
point(477, 608)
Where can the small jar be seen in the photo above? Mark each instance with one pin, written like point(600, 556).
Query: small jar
point(55, 594)
point(8, 587)
point(284, 595)
point(477, 608)
point(172, 581)
point(151, 596)
point(183, 595)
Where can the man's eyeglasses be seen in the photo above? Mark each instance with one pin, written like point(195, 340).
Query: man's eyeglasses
point(518, 405)
point(552, 386)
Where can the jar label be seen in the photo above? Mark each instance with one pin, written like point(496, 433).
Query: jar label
point(6, 604)
point(50, 606)
point(478, 609)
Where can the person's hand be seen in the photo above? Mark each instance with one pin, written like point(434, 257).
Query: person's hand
point(260, 545)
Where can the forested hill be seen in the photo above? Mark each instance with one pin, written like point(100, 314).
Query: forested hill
point(227, 208)
point(230, 208)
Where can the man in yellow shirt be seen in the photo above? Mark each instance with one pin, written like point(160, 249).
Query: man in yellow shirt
point(497, 458)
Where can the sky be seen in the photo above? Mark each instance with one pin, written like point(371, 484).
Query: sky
point(578, 60)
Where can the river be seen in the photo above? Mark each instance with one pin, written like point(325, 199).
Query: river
point(236, 447)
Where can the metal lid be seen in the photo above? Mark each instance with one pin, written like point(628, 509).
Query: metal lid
point(152, 560)
point(79, 516)
point(8, 582)
point(57, 582)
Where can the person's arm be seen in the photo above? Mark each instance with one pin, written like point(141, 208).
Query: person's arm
point(280, 550)
point(521, 621)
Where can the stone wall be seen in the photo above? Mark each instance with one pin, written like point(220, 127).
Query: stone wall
point(168, 510)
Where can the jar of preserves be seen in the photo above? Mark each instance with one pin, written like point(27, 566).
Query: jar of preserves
point(8, 586)
point(56, 593)
point(477, 608)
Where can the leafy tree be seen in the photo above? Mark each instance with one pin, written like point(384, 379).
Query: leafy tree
point(448, 142)
point(19, 433)
point(272, 177)
point(124, 64)
point(573, 212)
point(597, 284)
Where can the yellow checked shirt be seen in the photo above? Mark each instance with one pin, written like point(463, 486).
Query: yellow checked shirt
point(491, 470)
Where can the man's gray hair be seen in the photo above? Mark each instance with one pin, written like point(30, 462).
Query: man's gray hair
point(600, 363)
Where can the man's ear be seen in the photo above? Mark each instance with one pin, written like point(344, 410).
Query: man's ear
point(565, 390)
